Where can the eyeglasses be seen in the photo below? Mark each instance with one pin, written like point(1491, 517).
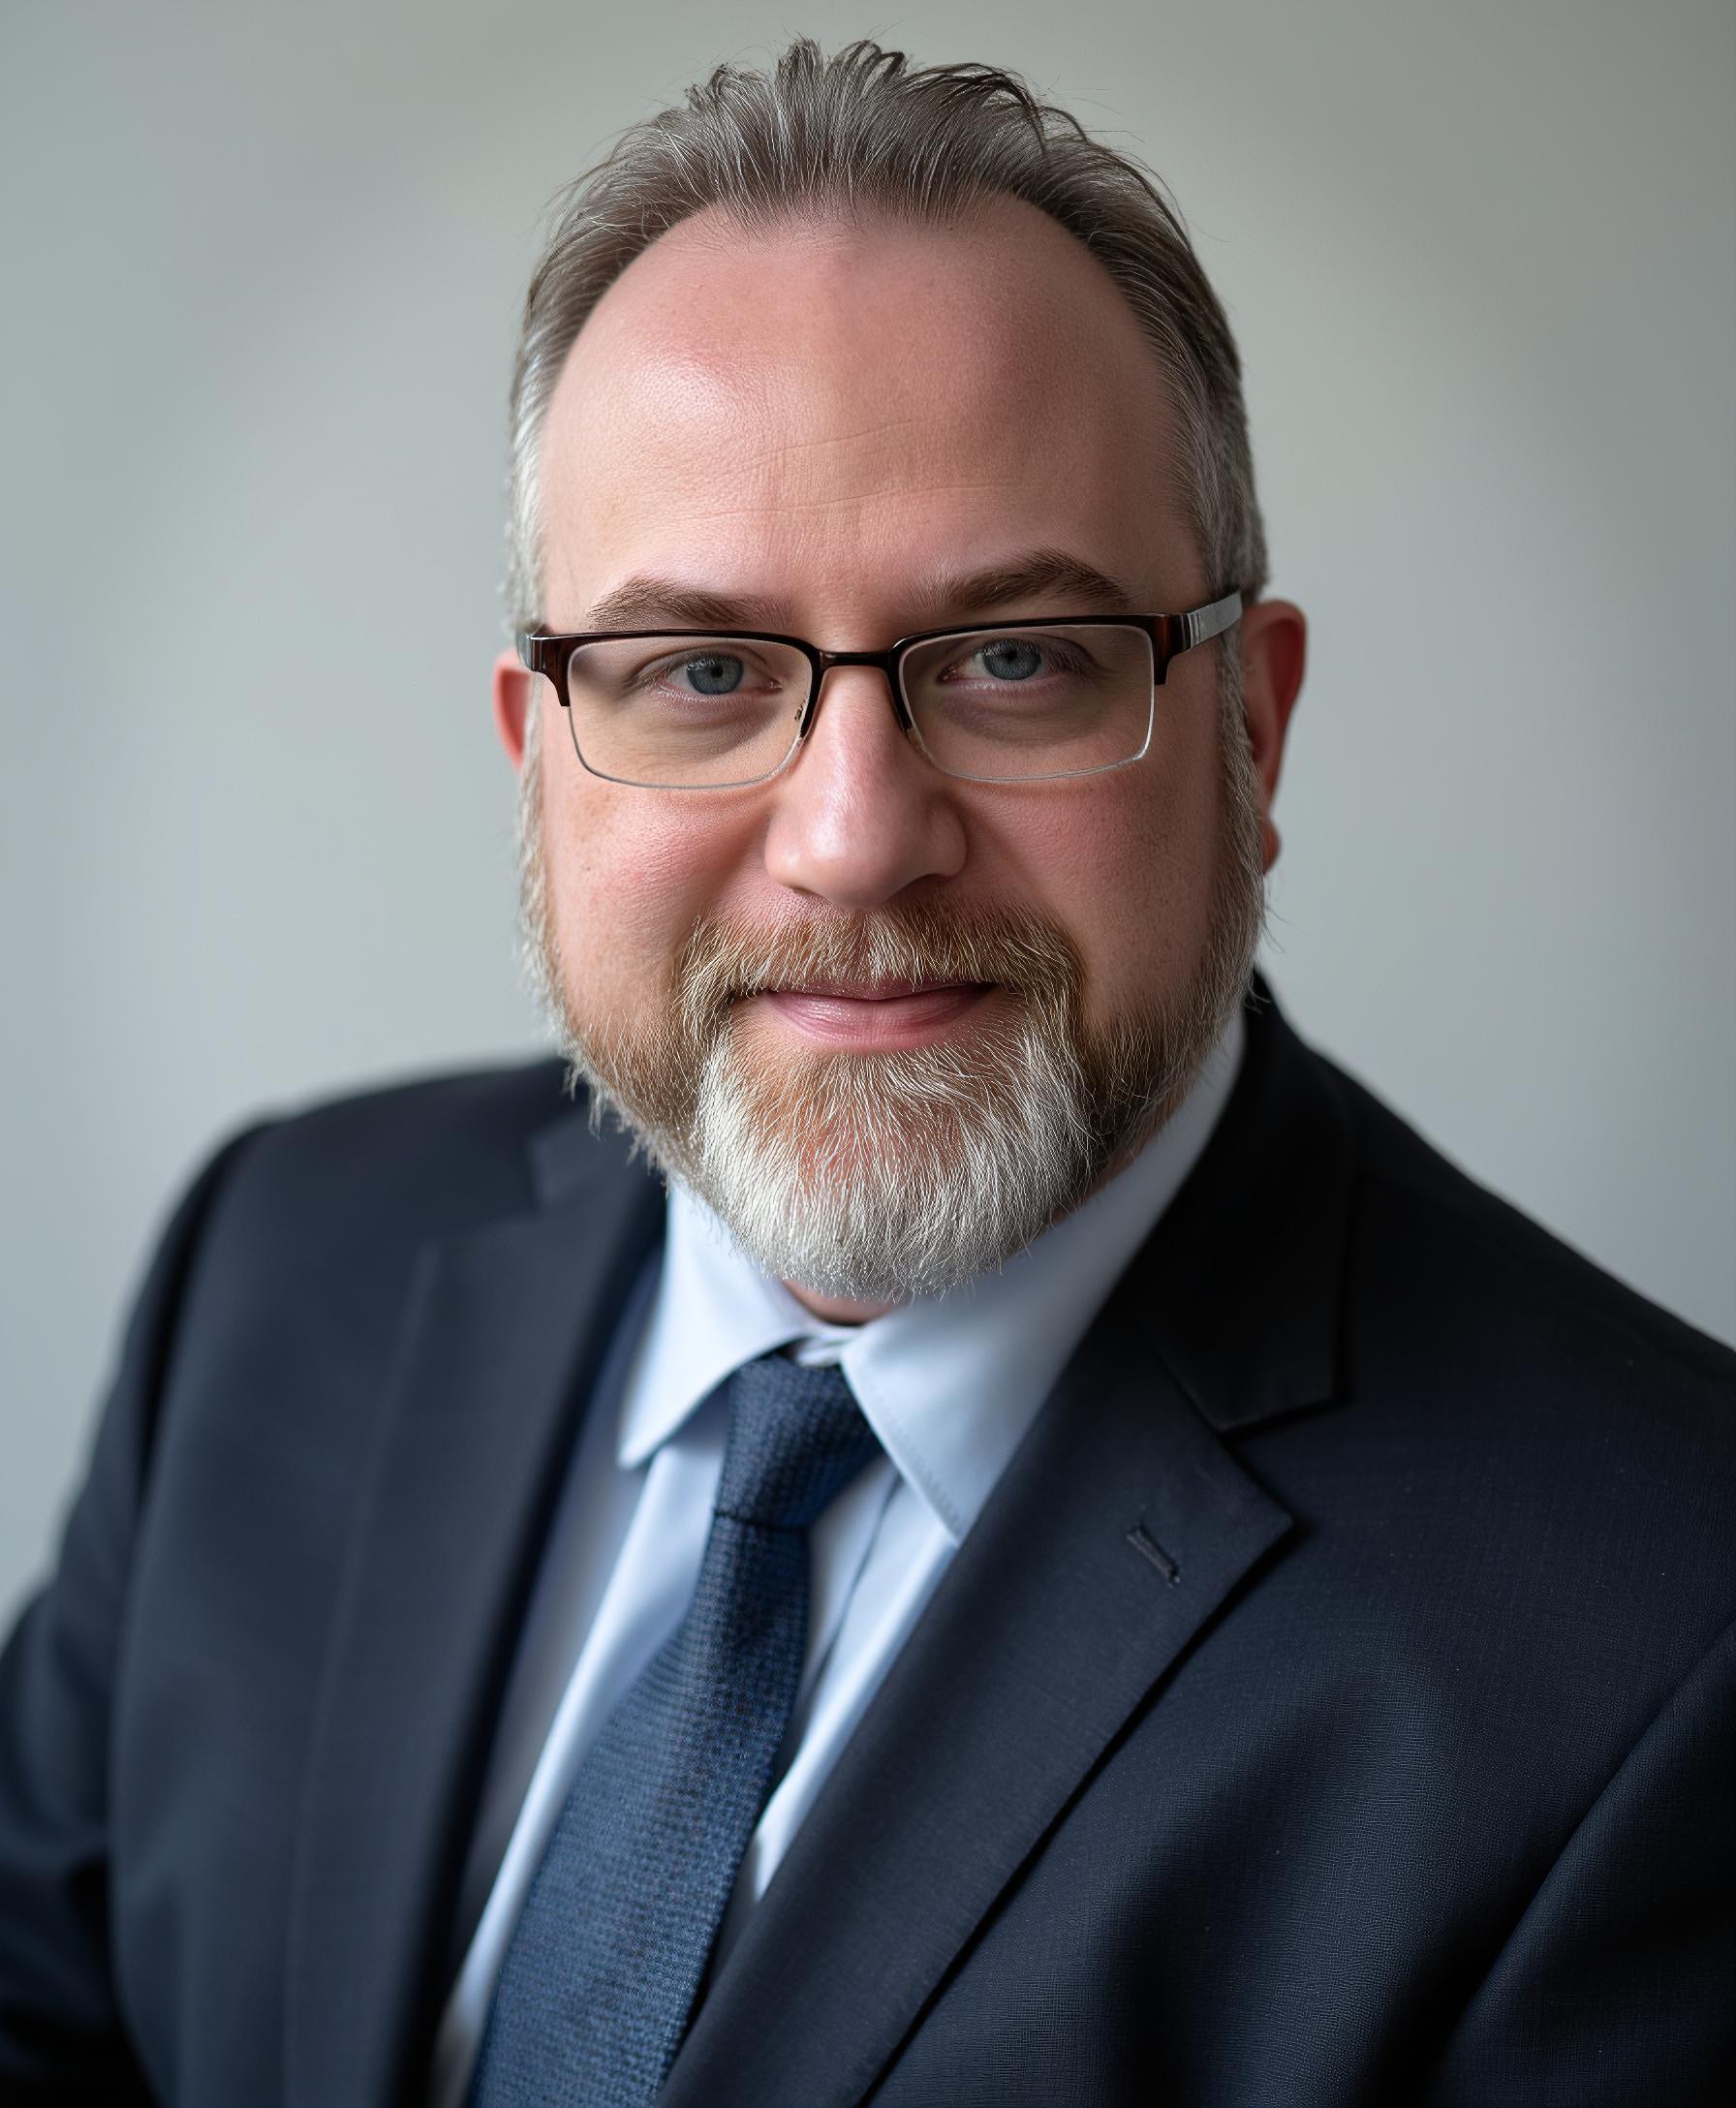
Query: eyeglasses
point(705, 710)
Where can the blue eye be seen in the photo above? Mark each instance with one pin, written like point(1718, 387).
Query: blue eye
point(716, 674)
point(1010, 659)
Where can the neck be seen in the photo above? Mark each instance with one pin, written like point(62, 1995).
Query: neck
point(837, 1309)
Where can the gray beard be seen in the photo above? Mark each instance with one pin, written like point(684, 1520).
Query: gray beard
point(878, 1177)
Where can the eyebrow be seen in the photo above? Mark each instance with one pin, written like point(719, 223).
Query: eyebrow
point(669, 603)
point(652, 603)
point(1032, 575)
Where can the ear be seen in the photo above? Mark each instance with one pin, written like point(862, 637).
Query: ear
point(515, 698)
point(1274, 655)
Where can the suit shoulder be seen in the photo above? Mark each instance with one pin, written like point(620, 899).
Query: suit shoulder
point(1505, 1287)
point(397, 1163)
point(316, 1222)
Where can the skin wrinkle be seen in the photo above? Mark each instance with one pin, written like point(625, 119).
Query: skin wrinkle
point(854, 499)
point(862, 1179)
point(859, 502)
point(788, 450)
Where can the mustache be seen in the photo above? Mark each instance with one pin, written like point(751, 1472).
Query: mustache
point(725, 960)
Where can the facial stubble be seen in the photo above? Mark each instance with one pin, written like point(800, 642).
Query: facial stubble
point(885, 1175)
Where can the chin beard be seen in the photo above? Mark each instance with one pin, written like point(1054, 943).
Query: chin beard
point(881, 1176)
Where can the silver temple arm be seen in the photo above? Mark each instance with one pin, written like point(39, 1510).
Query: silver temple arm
point(1212, 621)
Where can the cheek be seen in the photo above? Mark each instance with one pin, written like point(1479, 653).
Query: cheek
point(627, 876)
point(1126, 868)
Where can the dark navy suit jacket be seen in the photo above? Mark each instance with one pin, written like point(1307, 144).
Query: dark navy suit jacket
point(1333, 1704)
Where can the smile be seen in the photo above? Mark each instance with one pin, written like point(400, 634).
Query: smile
point(874, 1016)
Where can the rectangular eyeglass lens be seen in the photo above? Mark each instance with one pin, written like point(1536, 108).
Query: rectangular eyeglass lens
point(685, 710)
point(1012, 703)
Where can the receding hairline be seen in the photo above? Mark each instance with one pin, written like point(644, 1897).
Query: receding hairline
point(716, 231)
point(720, 229)
point(860, 136)
point(727, 220)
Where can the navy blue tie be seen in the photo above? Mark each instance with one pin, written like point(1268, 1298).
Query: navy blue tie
point(601, 1972)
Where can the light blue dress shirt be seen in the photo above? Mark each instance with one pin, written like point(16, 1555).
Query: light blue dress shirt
point(949, 1385)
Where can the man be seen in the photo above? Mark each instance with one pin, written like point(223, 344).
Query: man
point(1072, 1559)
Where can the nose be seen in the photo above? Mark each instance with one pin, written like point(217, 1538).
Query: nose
point(860, 814)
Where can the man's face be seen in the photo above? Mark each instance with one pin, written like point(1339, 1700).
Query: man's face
point(824, 431)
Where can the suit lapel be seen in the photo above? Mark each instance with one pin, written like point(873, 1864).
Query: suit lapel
point(1050, 1627)
point(1119, 1531)
point(498, 1352)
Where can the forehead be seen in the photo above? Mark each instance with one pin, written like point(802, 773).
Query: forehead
point(819, 411)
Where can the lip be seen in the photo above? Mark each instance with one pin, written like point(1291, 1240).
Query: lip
point(869, 991)
point(874, 1016)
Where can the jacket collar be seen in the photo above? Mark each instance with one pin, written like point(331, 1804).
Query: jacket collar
point(1238, 1291)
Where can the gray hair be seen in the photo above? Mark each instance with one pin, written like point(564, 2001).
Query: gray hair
point(865, 133)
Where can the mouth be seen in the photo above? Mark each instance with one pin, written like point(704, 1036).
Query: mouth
point(869, 1016)
point(871, 991)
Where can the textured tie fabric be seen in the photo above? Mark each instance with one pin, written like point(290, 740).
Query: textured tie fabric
point(603, 1969)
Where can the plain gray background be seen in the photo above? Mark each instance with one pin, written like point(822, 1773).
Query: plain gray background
point(260, 269)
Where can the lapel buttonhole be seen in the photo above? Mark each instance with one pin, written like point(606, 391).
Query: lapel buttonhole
point(1148, 1548)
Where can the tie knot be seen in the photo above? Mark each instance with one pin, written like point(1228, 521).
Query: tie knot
point(796, 1439)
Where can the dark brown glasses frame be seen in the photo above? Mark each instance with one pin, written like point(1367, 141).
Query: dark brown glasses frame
point(551, 654)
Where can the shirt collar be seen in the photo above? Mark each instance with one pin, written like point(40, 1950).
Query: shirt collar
point(948, 1383)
